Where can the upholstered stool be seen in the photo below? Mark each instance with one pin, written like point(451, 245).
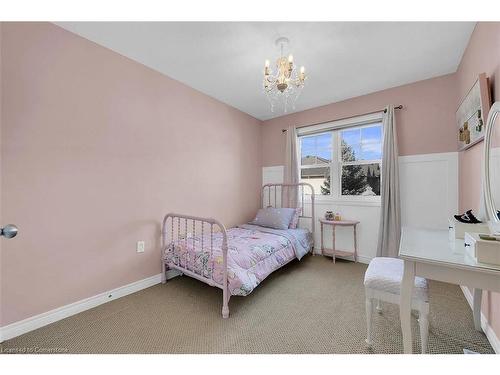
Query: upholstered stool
point(383, 283)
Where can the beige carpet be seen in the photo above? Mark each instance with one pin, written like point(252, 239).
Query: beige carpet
point(312, 306)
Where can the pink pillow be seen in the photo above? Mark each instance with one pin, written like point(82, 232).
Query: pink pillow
point(295, 218)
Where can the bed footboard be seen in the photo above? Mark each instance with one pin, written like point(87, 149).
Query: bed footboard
point(178, 227)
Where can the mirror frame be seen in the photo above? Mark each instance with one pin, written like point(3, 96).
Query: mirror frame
point(491, 213)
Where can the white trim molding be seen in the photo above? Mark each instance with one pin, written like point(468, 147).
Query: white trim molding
point(23, 326)
point(354, 121)
point(488, 331)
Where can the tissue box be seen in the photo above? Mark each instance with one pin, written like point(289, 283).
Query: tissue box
point(483, 251)
point(457, 229)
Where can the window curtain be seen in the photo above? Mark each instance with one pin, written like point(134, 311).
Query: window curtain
point(390, 209)
point(291, 173)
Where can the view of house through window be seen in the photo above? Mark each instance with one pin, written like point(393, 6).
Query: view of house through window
point(343, 162)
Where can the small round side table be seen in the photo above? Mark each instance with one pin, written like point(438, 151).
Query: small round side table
point(336, 252)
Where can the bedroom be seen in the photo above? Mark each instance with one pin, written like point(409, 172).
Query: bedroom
point(161, 187)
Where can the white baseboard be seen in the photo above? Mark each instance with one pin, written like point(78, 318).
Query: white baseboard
point(38, 321)
point(488, 331)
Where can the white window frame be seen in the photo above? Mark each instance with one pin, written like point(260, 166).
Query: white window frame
point(335, 128)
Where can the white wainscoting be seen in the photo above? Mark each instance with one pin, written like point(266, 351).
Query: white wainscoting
point(429, 189)
point(429, 196)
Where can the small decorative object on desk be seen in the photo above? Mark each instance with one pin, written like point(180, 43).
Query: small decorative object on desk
point(337, 217)
point(329, 215)
point(467, 218)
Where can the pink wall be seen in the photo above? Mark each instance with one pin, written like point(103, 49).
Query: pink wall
point(425, 125)
point(95, 150)
point(481, 56)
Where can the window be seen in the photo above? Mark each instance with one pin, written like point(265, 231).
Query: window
point(345, 162)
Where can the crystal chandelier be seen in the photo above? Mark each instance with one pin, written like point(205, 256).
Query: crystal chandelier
point(283, 86)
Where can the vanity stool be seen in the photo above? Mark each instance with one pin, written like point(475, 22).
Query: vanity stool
point(383, 279)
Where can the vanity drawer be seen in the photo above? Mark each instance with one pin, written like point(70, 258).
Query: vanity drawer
point(483, 251)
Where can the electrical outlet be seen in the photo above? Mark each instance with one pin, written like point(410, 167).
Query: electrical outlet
point(140, 246)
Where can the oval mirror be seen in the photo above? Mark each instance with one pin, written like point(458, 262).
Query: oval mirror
point(491, 171)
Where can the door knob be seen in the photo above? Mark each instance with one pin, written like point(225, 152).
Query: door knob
point(9, 231)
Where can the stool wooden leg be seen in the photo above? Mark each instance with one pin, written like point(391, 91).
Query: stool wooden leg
point(423, 320)
point(369, 310)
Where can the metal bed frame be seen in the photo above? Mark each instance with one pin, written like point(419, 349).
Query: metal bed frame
point(179, 227)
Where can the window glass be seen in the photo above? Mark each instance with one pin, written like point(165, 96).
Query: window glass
point(361, 143)
point(318, 177)
point(316, 149)
point(315, 159)
point(361, 179)
point(371, 143)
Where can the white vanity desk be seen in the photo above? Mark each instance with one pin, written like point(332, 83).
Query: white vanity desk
point(430, 254)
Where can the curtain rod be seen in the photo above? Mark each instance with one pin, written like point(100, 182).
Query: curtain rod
point(344, 118)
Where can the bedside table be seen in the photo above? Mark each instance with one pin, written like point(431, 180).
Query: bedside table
point(333, 251)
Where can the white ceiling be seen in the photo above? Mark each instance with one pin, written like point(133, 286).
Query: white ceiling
point(343, 59)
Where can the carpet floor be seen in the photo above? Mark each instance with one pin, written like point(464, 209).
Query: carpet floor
point(312, 306)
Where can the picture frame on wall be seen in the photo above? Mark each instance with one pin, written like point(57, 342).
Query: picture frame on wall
point(472, 114)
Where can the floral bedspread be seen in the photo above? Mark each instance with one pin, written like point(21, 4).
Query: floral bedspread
point(253, 253)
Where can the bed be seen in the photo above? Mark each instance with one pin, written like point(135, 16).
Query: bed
point(236, 260)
